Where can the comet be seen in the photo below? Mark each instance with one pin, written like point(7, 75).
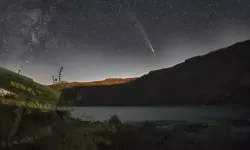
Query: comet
point(142, 31)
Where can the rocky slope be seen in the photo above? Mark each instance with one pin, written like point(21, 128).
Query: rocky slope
point(219, 77)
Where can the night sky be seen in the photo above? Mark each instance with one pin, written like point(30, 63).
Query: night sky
point(98, 39)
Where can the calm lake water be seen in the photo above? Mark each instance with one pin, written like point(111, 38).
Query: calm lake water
point(186, 113)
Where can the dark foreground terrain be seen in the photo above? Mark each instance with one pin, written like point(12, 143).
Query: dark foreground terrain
point(60, 131)
point(76, 134)
point(219, 77)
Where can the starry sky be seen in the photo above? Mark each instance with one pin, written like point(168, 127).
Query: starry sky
point(98, 39)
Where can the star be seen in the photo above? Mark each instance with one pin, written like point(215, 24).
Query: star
point(76, 34)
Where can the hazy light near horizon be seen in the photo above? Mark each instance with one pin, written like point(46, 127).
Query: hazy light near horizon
point(79, 70)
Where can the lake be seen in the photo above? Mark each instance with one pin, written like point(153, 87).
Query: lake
point(178, 113)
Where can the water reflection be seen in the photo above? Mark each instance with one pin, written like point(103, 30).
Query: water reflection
point(190, 113)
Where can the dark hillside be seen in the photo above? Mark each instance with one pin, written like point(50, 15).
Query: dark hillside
point(219, 77)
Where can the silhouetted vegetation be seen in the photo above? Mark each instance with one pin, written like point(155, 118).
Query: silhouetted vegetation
point(24, 128)
point(58, 79)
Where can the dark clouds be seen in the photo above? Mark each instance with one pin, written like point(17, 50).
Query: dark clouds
point(96, 39)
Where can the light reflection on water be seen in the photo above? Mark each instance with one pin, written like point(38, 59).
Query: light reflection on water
point(183, 113)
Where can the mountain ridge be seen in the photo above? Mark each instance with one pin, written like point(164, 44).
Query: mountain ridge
point(107, 81)
point(213, 78)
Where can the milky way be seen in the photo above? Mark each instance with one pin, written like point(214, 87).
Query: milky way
point(97, 39)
